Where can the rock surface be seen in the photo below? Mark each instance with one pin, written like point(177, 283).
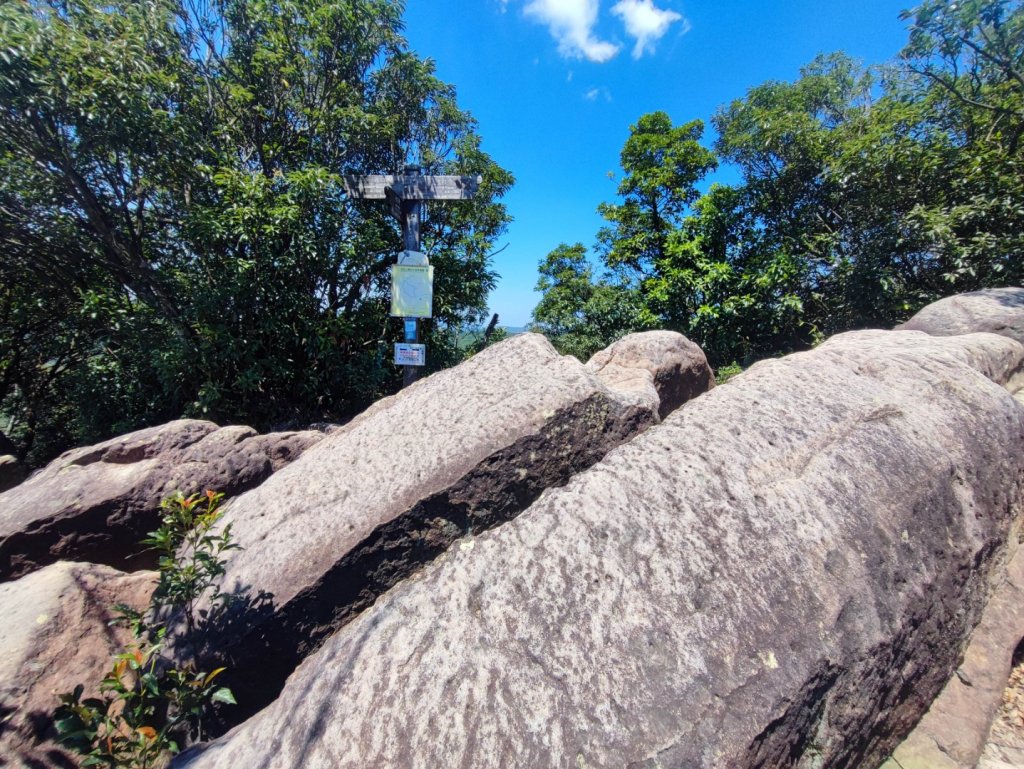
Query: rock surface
point(96, 503)
point(783, 573)
point(954, 731)
point(458, 452)
point(55, 634)
point(662, 367)
point(994, 310)
point(1004, 748)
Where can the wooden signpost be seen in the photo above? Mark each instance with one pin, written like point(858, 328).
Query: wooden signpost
point(406, 193)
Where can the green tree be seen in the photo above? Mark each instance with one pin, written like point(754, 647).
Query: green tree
point(578, 314)
point(864, 194)
point(662, 165)
point(172, 171)
point(966, 70)
point(790, 209)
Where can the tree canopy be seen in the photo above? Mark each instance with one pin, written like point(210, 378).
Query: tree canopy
point(177, 239)
point(864, 194)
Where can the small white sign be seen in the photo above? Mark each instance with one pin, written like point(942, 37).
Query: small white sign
point(413, 259)
point(410, 354)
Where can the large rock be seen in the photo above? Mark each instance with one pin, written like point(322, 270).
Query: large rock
point(663, 367)
point(56, 634)
point(995, 310)
point(96, 503)
point(1004, 748)
point(456, 453)
point(783, 573)
point(954, 732)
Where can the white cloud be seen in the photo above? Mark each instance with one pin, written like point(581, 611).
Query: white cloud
point(571, 22)
point(598, 93)
point(646, 23)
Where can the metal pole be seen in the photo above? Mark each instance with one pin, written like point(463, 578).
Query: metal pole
point(411, 216)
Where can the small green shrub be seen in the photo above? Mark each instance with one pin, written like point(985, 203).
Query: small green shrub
point(188, 527)
point(145, 705)
point(725, 373)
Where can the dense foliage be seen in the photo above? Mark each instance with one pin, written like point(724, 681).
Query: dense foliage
point(175, 236)
point(865, 194)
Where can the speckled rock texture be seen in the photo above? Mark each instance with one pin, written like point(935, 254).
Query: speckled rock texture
point(1004, 748)
point(954, 732)
point(456, 453)
point(662, 367)
point(56, 634)
point(995, 310)
point(96, 503)
point(783, 573)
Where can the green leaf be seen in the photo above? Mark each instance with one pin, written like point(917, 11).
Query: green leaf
point(223, 694)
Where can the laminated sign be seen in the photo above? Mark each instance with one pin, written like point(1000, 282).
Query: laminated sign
point(412, 291)
point(410, 354)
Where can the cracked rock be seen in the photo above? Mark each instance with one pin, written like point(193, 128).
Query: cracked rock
point(96, 503)
point(783, 573)
point(455, 454)
point(56, 634)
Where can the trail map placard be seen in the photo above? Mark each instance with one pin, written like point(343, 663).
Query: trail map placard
point(412, 291)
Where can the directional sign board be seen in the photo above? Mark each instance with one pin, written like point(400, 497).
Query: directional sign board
point(394, 201)
point(412, 187)
point(410, 354)
point(412, 279)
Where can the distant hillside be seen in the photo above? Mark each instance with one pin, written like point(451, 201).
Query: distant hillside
point(469, 336)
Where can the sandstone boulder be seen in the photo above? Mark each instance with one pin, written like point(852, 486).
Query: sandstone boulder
point(284, 448)
point(954, 732)
point(662, 367)
point(995, 310)
point(456, 453)
point(56, 634)
point(1005, 746)
point(96, 503)
point(783, 573)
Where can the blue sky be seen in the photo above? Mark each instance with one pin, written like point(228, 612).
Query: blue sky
point(555, 85)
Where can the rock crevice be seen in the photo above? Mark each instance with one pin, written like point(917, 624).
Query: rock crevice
point(653, 608)
point(393, 492)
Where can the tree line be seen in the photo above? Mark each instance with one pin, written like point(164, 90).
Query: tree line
point(175, 235)
point(864, 194)
point(177, 241)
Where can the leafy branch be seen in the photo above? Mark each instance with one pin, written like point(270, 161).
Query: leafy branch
point(146, 706)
